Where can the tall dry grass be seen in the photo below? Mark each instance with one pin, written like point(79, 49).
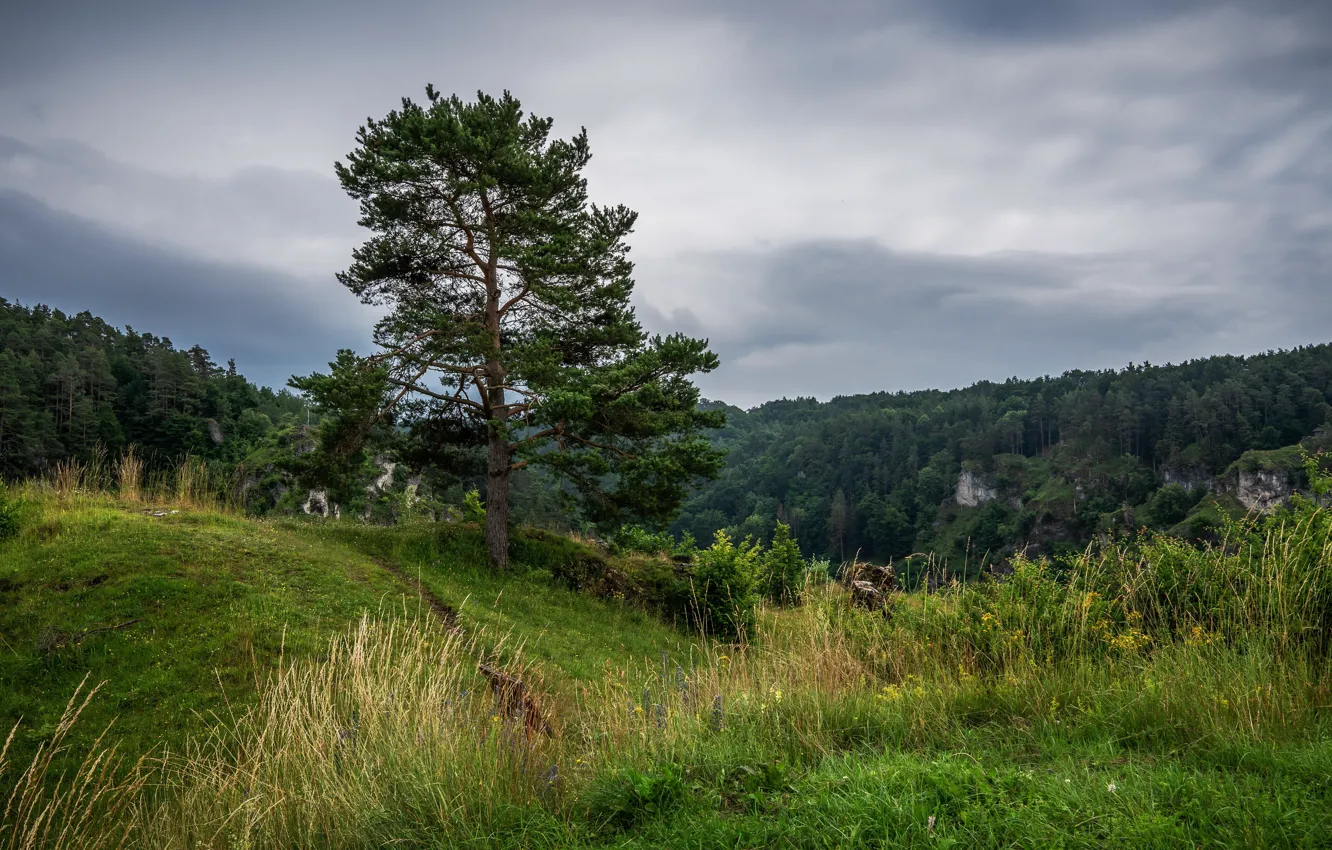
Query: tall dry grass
point(190, 483)
point(130, 476)
point(86, 811)
point(194, 485)
point(394, 719)
point(67, 478)
point(95, 472)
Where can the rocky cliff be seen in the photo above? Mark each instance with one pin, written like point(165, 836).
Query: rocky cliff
point(1262, 489)
point(974, 490)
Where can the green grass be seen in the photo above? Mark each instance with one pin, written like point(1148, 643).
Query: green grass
point(219, 598)
point(215, 597)
point(573, 634)
point(1150, 694)
point(995, 797)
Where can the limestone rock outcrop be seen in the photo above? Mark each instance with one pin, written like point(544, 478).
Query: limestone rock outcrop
point(973, 490)
point(1262, 489)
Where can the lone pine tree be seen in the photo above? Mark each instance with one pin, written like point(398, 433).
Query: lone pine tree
point(507, 319)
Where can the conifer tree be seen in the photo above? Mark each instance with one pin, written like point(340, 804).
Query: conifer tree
point(507, 317)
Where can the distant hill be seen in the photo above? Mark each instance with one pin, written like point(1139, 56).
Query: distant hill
point(964, 475)
point(1044, 464)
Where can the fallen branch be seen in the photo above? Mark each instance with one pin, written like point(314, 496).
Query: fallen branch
point(52, 639)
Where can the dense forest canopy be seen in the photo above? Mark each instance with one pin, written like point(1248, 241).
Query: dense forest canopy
point(71, 384)
point(1049, 461)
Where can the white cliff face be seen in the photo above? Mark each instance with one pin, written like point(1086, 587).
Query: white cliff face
point(1188, 478)
point(385, 480)
point(317, 503)
point(973, 490)
point(1262, 489)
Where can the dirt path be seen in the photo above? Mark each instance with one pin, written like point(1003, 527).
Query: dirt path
point(447, 614)
point(513, 697)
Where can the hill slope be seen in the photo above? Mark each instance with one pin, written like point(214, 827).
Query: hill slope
point(183, 613)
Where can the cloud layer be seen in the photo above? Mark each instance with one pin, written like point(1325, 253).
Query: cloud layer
point(844, 198)
point(273, 324)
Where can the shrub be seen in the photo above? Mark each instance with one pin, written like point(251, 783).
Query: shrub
point(1171, 504)
point(634, 796)
point(724, 586)
point(782, 570)
point(635, 538)
point(473, 510)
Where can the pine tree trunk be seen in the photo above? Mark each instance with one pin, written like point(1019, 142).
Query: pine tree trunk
point(497, 502)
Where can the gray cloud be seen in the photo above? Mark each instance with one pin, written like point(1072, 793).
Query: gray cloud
point(836, 317)
point(272, 324)
point(846, 197)
point(291, 219)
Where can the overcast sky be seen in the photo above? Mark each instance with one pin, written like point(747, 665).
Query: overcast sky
point(843, 197)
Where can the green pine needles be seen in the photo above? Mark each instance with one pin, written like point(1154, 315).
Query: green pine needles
point(508, 325)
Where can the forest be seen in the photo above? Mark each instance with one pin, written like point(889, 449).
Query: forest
point(1052, 461)
point(73, 385)
point(1044, 464)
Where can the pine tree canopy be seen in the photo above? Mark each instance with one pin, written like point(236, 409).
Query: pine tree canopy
point(507, 316)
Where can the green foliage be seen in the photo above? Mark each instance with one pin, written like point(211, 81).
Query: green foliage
point(507, 319)
point(73, 386)
point(473, 509)
point(1169, 505)
point(636, 538)
point(1319, 478)
point(876, 475)
point(349, 399)
point(782, 570)
point(1265, 585)
point(725, 586)
point(993, 528)
point(633, 797)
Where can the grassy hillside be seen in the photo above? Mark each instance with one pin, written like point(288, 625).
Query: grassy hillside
point(183, 614)
point(1155, 694)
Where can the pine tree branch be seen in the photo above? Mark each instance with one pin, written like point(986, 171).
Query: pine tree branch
point(527, 290)
point(553, 431)
point(402, 349)
point(456, 398)
point(470, 249)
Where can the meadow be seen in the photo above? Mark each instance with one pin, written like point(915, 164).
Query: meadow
point(294, 683)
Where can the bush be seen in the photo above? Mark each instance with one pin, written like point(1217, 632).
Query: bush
point(725, 579)
point(635, 538)
point(1171, 504)
point(632, 797)
point(473, 510)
